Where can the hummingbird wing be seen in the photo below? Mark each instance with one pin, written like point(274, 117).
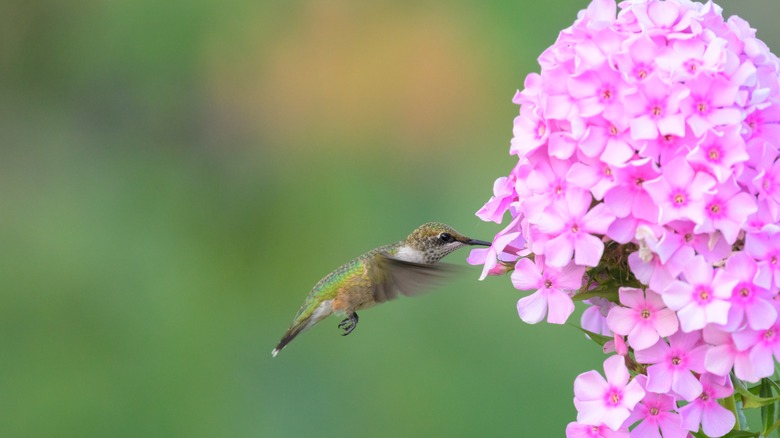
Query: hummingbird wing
point(393, 276)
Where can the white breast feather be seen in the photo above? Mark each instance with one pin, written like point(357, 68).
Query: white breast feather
point(409, 254)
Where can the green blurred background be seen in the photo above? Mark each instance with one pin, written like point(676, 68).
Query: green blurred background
point(175, 176)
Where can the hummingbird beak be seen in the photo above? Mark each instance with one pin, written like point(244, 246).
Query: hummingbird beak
point(477, 242)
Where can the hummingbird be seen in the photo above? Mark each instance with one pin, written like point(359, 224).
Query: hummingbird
point(405, 267)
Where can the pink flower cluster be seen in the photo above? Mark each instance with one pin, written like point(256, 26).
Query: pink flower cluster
point(648, 165)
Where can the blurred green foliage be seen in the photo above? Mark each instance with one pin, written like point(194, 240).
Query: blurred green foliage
point(175, 176)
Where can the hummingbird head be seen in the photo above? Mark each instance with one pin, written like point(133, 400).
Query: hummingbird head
point(434, 240)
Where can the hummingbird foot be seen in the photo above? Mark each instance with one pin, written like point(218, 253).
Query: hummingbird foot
point(349, 324)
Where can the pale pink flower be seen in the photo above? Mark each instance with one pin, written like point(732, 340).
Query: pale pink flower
point(679, 192)
point(552, 287)
point(644, 319)
point(715, 420)
point(578, 430)
point(655, 109)
point(726, 210)
point(608, 401)
point(702, 298)
point(749, 302)
point(765, 248)
point(655, 412)
point(764, 346)
point(629, 196)
point(574, 224)
point(720, 152)
point(723, 355)
point(711, 103)
point(672, 364)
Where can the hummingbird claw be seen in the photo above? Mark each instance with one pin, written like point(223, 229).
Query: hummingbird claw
point(349, 324)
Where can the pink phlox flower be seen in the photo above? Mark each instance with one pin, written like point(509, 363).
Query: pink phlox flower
point(574, 225)
point(665, 148)
point(622, 230)
point(579, 430)
point(765, 248)
point(761, 220)
point(608, 401)
point(703, 297)
point(711, 103)
point(530, 131)
point(644, 320)
point(764, 346)
point(531, 92)
point(658, 262)
point(552, 286)
point(591, 174)
point(760, 152)
point(601, 13)
point(629, 196)
point(608, 140)
point(504, 249)
point(657, 416)
point(723, 355)
point(750, 303)
point(599, 91)
point(670, 19)
point(655, 109)
point(594, 318)
point(715, 420)
point(712, 246)
point(679, 192)
point(719, 153)
point(559, 105)
point(690, 57)
point(616, 345)
point(763, 123)
point(767, 184)
point(727, 211)
point(503, 195)
point(672, 364)
point(638, 61)
point(546, 184)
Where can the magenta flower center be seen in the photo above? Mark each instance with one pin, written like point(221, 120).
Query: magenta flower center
point(654, 411)
point(613, 397)
point(641, 74)
point(656, 111)
point(704, 295)
point(679, 199)
point(548, 284)
point(714, 154)
point(714, 209)
point(701, 107)
point(691, 65)
point(743, 290)
point(613, 130)
point(575, 228)
point(676, 361)
point(646, 313)
point(541, 129)
point(769, 334)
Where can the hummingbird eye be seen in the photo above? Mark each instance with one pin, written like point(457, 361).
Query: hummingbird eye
point(446, 237)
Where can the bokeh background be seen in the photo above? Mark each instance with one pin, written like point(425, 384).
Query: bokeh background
point(175, 176)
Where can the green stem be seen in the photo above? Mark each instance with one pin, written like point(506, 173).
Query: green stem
point(730, 403)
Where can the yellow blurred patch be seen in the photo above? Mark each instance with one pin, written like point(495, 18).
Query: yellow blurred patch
point(351, 74)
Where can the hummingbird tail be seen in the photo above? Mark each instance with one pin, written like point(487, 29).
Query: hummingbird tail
point(289, 335)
